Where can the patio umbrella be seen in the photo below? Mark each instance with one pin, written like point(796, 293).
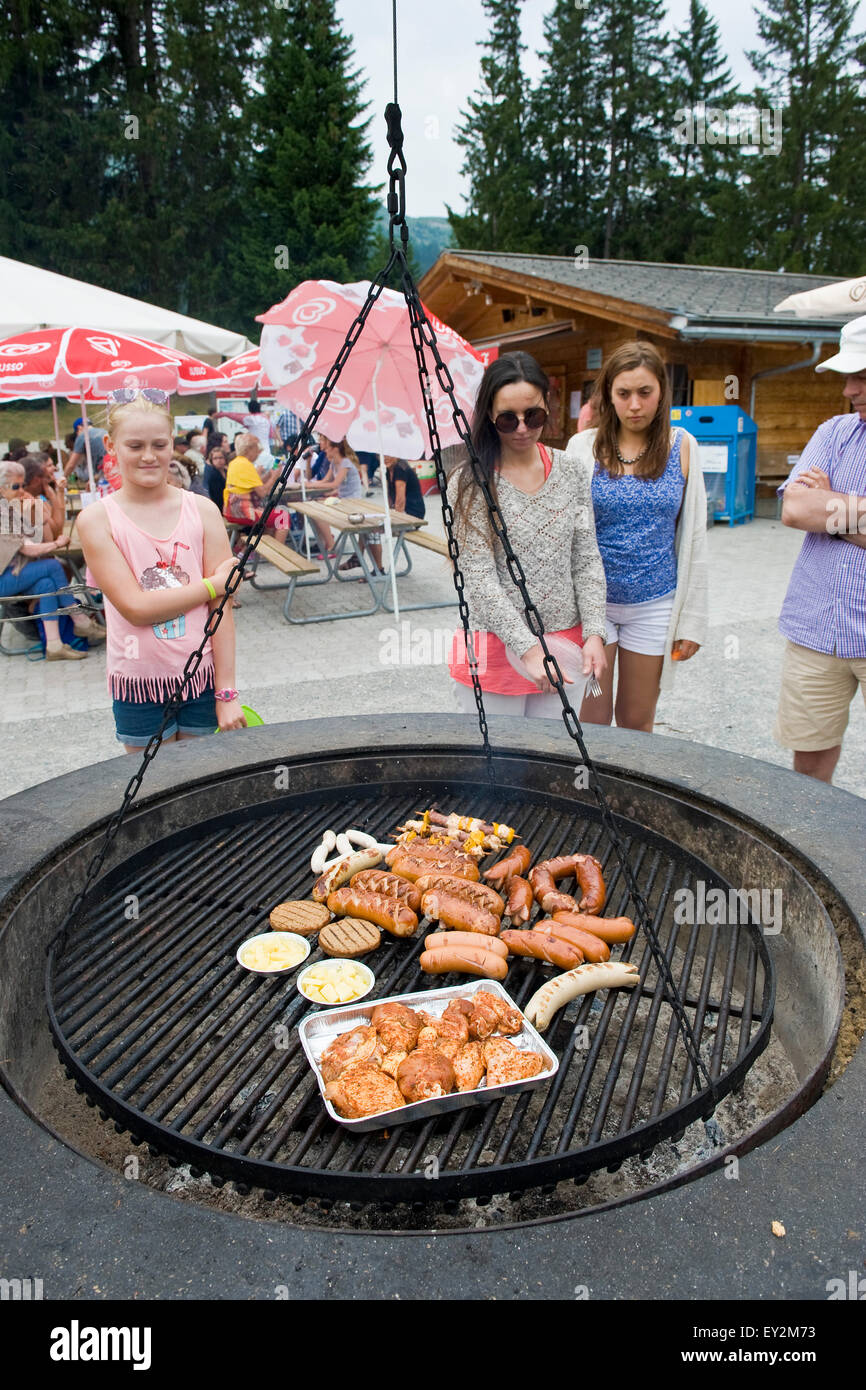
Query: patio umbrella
point(378, 400)
point(86, 363)
point(244, 374)
point(827, 301)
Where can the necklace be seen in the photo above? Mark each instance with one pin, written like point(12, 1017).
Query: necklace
point(637, 457)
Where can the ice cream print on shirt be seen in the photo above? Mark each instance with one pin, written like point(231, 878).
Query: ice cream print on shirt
point(167, 574)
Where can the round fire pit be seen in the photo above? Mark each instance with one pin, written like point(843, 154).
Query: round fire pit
point(196, 1063)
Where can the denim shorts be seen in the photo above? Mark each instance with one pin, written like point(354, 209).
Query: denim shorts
point(136, 721)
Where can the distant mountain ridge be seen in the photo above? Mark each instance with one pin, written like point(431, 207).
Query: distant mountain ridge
point(427, 236)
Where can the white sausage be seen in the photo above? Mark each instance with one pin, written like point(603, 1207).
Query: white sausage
point(344, 844)
point(320, 855)
point(360, 837)
point(583, 979)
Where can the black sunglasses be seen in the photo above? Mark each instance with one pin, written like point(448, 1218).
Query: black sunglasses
point(507, 422)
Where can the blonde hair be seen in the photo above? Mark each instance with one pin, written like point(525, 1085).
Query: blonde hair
point(117, 413)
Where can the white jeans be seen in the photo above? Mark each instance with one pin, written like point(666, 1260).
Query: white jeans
point(531, 706)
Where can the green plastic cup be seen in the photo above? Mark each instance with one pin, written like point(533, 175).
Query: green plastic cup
point(253, 719)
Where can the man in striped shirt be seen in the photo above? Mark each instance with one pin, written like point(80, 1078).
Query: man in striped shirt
point(824, 613)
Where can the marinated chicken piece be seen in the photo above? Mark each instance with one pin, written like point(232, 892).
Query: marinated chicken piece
point(363, 1089)
point(449, 1047)
point(510, 1020)
point(448, 1026)
point(391, 1062)
point(484, 1018)
point(458, 1008)
point(469, 1066)
point(397, 1026)
point(505, 1062)
point(425, 1075)
point(362, 1044)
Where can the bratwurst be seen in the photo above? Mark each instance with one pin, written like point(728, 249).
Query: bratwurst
point(390, 913)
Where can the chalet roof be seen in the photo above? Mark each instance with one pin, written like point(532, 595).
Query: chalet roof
point(705, 295)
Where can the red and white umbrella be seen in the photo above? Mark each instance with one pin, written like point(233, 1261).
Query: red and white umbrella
point(378, 403)
point(244, 374)
point(87, 364)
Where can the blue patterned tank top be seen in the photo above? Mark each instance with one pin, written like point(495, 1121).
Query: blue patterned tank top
point(635, 520)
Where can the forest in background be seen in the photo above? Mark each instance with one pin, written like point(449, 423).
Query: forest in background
point(207, 155)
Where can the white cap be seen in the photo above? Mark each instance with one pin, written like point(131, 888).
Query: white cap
point(851, 356)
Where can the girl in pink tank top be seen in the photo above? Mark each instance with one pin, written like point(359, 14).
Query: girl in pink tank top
point(161, 558)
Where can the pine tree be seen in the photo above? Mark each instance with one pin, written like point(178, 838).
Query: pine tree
point(498, 136)
point(565, 114)
point(309, 212)
point(805, 67)
point(696, 213)
point(630, 50)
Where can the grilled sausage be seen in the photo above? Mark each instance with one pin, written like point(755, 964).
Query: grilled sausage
point(517, 862)
point(413, 867)
point(611, 974)
point(609, 929)
point(592, 948)
point(344, 869)
point(591, 880)
point(465, 938)
point(390, 913)
point(546, 892)
point(466, 960)
point(420, 849)
point(477, 893)
point(379, 881)
point(458, 913)
point(540, 946)
point(520, 900)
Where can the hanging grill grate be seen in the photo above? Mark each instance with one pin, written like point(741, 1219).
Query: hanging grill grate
point(171, 1039)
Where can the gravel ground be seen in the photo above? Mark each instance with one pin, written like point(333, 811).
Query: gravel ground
point(58, 718)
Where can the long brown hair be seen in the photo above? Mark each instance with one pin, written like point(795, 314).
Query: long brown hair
point(511, 367)
point(626, 358)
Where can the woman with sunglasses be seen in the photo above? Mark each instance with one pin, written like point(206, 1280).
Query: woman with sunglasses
point(546, 504)
point(161, 557)
point(28, 566)
point(650, 515)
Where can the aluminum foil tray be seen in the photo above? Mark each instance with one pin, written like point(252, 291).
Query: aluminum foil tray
point(317, 1030)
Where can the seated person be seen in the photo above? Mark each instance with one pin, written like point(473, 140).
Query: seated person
point(47, 502)
point(246, 488)
point(341, 479)
point(77, 461)
point(214, 477)
point(404, 495)
point(28, 566)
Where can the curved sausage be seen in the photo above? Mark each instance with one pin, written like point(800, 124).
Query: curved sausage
point(477, 893)
point(539, 946)
point(546, 892)
point(592, 948)
point(379, 881)
point(610, 929)
point(517, 862)
point(413, 866)
point(465, 960)
point(465, 938)
point(458, 913)
point(390, 913)
point(591, 879)
point(612, 974)
point(520, 900)
point(344, 869)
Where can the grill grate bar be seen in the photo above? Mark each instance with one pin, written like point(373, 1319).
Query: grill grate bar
point(688, 1082)
point(672, 1033)
point(748, 1002)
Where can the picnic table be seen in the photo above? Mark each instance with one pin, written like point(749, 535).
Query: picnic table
point(353, 520)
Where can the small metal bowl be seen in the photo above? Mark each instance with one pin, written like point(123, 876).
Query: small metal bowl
point(273, 936)
point(356, 518)
point(329, 967)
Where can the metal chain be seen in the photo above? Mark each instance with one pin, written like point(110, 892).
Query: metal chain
point(423, 336)
point(235, 577)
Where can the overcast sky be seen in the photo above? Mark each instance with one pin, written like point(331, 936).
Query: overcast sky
point(438, 65)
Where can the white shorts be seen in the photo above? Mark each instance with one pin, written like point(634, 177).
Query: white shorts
point(640, 627)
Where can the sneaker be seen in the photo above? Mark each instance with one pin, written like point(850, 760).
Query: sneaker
point(62, 652)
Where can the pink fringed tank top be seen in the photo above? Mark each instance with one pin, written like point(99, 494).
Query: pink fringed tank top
point(144, 663)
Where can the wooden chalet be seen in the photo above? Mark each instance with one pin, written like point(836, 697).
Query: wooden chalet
point(715, 327)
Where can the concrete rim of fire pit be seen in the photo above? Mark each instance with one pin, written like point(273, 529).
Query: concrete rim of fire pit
point(708, 1239)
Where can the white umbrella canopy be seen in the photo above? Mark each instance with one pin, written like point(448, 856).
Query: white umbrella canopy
point(827, 301)
point(34, 298)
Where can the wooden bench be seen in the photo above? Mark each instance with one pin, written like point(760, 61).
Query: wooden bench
point(428, 542)
point(294, 566)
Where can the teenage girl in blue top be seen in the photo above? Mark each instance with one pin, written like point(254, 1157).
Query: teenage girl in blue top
point(639, 479)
